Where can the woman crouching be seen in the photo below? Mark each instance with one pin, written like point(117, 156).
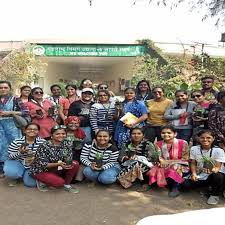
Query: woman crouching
point(100, 159)
point(53, 165)
point(173, 163)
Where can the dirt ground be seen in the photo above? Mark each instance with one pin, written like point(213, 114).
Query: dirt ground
point(94, 205)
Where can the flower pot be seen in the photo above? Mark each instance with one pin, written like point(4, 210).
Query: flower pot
point(208, 165)
point(98, 163)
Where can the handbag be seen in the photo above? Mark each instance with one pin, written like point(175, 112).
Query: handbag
point(20, 121)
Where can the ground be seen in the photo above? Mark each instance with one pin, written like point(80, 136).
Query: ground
point(94, 205)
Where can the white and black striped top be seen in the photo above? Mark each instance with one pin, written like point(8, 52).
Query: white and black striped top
point(15, 154)
point(101, 116)
point(110, 155)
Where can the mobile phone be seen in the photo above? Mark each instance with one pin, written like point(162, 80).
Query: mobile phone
point(39, 112)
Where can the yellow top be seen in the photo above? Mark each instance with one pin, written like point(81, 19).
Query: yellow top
point(156, 111)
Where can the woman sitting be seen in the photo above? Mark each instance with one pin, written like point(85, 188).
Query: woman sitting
point(173, 163)
point(21, 154)
point(53, 164)
point(136, 157)
point(207, 165)
point(100, 159)
point(76, 138)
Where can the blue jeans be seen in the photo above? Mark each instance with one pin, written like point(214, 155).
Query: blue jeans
point(87, 131)
point(14, 169)
point(8, 133)
point(108, 176)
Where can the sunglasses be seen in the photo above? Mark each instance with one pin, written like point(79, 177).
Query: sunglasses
point(56, 127)
point(103, 88)
point(38, 92)
point(196, 96)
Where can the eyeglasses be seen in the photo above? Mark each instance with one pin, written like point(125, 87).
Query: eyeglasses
point(32, 129)
point(56, 127)
point(157, 92)
point(103, 87)
point(196, 96)
point(38, 93)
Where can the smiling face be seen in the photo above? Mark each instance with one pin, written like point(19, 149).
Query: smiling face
point(59, 135)
point(70, 91)
point(26, 92)
point(168, 135)
point(143, 86)
point(87, 96)
point(158, 93)
point(31, 131)
point(103, 138)
point(73, 125)
point(181, 97)
point(87, 84)
point(37, 94)
point(103, 97)
point(197, 97)
point(129, 94)
point(207, 83)
point(206, 140)
point(56, 91)
point(4, 89)
point(137, 135)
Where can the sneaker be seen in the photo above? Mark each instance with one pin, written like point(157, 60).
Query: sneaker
point(213, 200)
point(41, 186)
point(11, 182)
point(71, 189)
point(174, 193)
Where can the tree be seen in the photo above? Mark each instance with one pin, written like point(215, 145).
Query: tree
point(215, 8)
point(21, 67)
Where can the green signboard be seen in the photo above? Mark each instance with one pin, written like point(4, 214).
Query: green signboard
point(71, 50)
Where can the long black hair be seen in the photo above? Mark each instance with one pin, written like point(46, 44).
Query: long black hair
point(138, 91)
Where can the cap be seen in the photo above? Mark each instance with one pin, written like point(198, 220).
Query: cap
point(87, 90)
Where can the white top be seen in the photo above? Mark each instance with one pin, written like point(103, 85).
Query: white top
point(218, 155)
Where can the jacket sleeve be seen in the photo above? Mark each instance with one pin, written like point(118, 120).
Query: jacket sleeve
point(84, 157)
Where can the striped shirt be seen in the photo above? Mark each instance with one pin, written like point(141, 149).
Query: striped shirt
point(110, 155)
point(101, 116)
point(15, 154)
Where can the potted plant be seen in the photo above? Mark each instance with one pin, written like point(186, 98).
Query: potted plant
point(208, 163)
point(130, 151)
point(98, 159)
point(154, 156)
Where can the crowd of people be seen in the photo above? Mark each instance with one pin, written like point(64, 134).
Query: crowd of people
point(55, 141)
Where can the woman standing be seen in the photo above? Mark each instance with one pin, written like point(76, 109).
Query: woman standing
point(200, 114)
point(41, 112)
point(143, 91)
point(136, 158)
point(25, 93)
point(180, 115)
point(100, 159)
point(156, 109)
point(85, 83)
point(173, 162)
point(9, 106)
point(53, 161)
point(207, 165)
point(21, 154)
point(216, 121)
point(135, 107)
point(101, 113)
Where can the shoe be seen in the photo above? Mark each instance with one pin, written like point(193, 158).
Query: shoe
point(41, 186)
point(71, 189)
point(174, 193)
point(11, 182)
point(213, 200)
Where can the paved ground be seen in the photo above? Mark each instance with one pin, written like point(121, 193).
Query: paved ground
point(94, 205)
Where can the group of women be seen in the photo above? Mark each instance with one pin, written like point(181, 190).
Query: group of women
point(85, 135)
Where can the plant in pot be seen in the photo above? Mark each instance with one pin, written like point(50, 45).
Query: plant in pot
point(154, 156)
point(208, 163)
point(67, 158)
point(98, 159)
point(130, 151)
